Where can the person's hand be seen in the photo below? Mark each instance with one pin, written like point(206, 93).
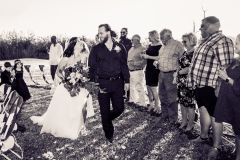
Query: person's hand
point(130, 61)
point(144, 56)
point(222, 74)
point(155, 63)
point(93, 83)
point(175, 74)
point(126, 86)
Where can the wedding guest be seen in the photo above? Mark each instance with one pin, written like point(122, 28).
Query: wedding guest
point(214, 51)
point(55, 54)
point(186, 96)
point(108, 63)
point(6, 74)
point(127, 44)
point(124, 40)
point(167, 62)
point(136, 64)
point(152, 72)
point(18, 83)
point(227, 107)
point(97, 40)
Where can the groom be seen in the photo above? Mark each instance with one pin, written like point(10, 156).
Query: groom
point(107, 62)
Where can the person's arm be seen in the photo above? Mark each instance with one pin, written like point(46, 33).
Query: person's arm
point(62, 64)
point(50, 49)
point(180, 51)
point(60, 52)
point(235, 83)
point(224, 51)
point(183, 71)
point(145, 56)
point(124, 65)
point(92, 64)
point(129, 45)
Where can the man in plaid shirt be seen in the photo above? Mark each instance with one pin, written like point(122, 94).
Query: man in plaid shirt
point(214, 52)
point(168, 56)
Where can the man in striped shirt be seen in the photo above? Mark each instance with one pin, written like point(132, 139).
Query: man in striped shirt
point(214, 52)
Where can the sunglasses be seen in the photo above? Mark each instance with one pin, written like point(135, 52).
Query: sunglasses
point(123, 32)
point(203, 25)
point(184, 42)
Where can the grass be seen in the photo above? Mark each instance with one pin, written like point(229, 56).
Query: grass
point(137, 136)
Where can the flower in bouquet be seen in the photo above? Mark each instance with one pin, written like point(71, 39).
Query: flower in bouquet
point(76, 77)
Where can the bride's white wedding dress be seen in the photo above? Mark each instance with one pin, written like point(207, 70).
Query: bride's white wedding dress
point(64, 116)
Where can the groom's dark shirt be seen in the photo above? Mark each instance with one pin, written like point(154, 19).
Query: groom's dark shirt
point(106, 64)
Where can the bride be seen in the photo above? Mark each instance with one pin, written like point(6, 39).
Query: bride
point(64, 117)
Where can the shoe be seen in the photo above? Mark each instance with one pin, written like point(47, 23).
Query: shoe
point(21, 128)
point(157, 114)
point(213, 153)
point(199, 139)
point(184, 126)
point(175, 124)
point(165, 119)
point(110, 140)
point(142, 109)
point(130, 103)
point(189, 130)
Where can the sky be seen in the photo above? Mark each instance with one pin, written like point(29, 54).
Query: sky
point(82, 17)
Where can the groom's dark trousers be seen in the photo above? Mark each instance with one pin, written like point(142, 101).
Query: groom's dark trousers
point(113, 91)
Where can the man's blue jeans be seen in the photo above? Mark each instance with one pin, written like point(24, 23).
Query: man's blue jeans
point(168, 96)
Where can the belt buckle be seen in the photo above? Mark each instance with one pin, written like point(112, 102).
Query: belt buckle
point(112, 79)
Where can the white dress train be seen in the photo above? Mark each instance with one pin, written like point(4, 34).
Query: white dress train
point(64, 116)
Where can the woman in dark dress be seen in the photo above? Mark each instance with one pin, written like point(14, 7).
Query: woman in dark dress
point(228, 104)
point(18, 83)
point(152, 72)
point(186, 97)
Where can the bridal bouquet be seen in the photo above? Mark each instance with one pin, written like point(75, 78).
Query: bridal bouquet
point(76, 77)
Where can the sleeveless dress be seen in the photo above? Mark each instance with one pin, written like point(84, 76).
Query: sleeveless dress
point(152, 72)
point(64, 116)
point(20, 86)
point(186, 95)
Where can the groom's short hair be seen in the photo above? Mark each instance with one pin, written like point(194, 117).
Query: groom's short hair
point(106, 26)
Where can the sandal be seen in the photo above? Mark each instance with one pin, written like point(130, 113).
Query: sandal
point(185, 125)
point(213, 153)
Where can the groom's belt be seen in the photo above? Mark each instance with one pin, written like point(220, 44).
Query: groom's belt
point(136, 69)
point(111, 78)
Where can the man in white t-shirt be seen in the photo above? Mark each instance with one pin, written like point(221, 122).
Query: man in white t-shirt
point(55, 54)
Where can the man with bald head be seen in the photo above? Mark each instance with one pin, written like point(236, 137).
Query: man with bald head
point(136, 65)
point(168, 57)
point(215, 52)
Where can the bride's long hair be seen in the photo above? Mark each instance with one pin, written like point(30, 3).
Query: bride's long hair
point(70, 49)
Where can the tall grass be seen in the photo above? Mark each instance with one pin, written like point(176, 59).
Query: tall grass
point(15, 45)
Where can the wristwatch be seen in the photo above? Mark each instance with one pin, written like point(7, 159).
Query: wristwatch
point(227, 80)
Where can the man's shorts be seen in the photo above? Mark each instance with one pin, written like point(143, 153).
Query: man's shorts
point(206, 97)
